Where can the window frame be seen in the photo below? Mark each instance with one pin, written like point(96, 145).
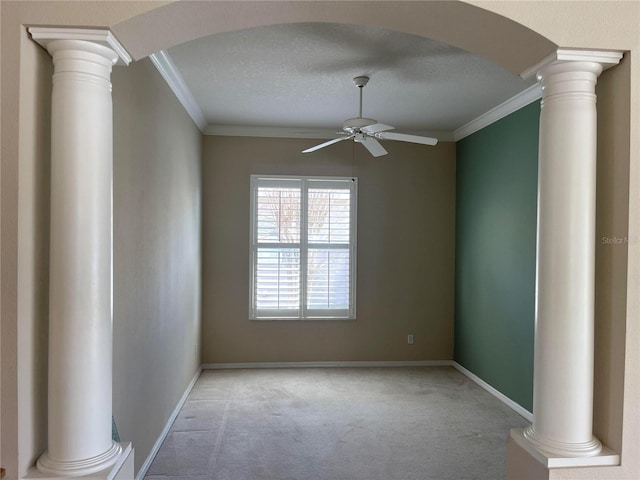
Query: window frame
point(303, 313)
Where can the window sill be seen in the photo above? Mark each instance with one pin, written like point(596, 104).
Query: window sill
point(311, 319)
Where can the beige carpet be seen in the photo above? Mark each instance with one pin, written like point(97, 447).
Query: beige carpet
point(427, 423)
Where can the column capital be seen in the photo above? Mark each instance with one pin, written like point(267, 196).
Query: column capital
point(45, 36)
point(606, 59)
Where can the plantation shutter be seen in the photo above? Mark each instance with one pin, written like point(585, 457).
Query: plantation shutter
point(303, 247)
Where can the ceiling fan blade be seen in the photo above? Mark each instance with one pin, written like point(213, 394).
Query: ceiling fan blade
point(373, 146)
point(377, 127)
point(326, 144)
point(403, 137)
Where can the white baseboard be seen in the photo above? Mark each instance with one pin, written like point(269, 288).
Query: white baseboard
point(519, 409)
point(500, 396)
point(419, 363)
point(165, 431)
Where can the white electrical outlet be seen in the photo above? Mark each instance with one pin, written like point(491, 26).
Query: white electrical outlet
point(410, 339)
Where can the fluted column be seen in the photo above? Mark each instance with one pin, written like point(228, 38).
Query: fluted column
point(563, 358)
point(80, 284)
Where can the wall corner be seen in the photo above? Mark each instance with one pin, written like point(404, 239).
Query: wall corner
point(521, 465)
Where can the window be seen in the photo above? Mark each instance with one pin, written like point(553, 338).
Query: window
point(303, 237)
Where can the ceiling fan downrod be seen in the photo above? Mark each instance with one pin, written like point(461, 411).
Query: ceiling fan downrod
point(360, 83)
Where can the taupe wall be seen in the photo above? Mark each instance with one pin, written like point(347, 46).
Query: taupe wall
point(33, 258)
point(405, 253)
point(612, 221)
point(156, 253)
point(24, 165)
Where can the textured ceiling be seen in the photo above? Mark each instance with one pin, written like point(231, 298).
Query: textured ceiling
point(300, 76)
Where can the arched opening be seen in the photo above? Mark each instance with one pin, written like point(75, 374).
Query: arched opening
point(429, 20)
point(455, 23)
point(159, 29)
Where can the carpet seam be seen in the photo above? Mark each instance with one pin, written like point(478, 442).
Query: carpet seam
point(216, 448)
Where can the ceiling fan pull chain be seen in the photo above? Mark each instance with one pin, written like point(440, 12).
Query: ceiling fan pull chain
point(360, 87)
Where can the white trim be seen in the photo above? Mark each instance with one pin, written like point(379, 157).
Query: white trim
point(401, 363)
point(171, 75)
point(606, 457)
point(515, 103)
point(302, 183)
point(127, 449)
point(109, 473)
point(533, 70)
point(500, 396)
point(299, 132)
point(606, 58)
point(271, 132)
point(165, 431)
point(44, 35)
point(259, 365)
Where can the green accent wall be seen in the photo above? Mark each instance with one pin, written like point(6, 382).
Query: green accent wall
point(496, 194)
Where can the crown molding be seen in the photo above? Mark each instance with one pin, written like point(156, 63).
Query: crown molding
point(165, 66)
point(515, 103)
point(297, 132)
point(275, 132)
point(44, 35)
point(607, 59)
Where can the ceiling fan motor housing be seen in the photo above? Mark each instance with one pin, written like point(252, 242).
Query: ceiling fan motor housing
point(367, 131)
point(357, 123)
point(361, 81)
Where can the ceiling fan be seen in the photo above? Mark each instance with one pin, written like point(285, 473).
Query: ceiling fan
point(367, 131)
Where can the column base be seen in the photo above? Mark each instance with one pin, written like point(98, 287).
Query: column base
point(562, 449)
point(555, 455)
point(100, 465)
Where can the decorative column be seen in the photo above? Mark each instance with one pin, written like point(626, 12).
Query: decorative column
point(563, 358)
point(80, 282)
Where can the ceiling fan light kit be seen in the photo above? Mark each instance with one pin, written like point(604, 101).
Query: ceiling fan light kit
point(366, 131)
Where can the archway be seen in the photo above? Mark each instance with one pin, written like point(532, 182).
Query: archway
point(229, 16)
point(456, 23)
point(430, 19)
